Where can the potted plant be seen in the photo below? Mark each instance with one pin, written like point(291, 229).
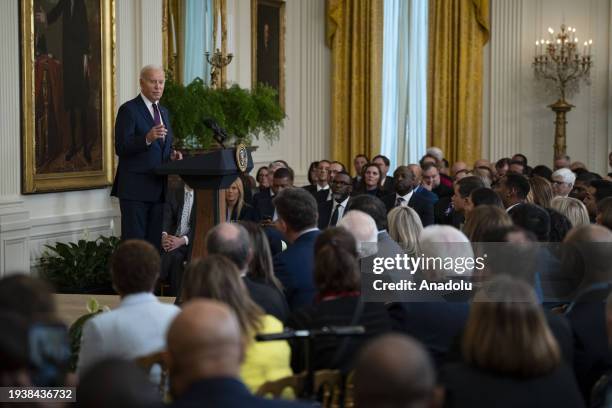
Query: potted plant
point(81, 267)
point(243, 113)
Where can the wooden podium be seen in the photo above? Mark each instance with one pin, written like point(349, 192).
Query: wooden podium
point(208, 174)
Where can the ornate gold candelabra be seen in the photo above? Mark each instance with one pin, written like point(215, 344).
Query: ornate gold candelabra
point(218, 61)
point(560, 64)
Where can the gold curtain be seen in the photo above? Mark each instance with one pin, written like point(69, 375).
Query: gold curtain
point(172, 27)
point(458, 31)
point(354, 34)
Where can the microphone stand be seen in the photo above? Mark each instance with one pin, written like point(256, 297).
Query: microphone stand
point(309, 336)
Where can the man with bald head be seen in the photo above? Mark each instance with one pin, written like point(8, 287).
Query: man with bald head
point(395, 371)
point(457, 167)
point(143, 142)
point(205, 351)
point(233, 241)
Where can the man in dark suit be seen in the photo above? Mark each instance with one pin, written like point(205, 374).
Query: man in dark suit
point(431, 181)
point(143, 141)
point(177, 235)
point(358, 163)
point(205, 351)
point(262, 201)
point(383, 163)
point(320, 190)
point(294, 267)
point(330, 212)
point(405, 196)
point(232, 241)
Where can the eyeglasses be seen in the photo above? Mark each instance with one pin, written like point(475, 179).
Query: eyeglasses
point(558, 183)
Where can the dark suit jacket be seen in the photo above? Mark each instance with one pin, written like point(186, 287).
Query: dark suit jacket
point(388, 186)
point(443, 191)
point(247, 213)
point(320, 196)
point(226, 393)
point(135, 178)
point(325, 212)
point(294, 267)
point(418, 203)
point(262, 203)
point(269, 298)
point(173, 210)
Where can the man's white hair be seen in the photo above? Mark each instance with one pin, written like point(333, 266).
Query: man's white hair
point(363, 228)
point(444, 241)
point(436, 152)
point(566, 175)
point(148, 68)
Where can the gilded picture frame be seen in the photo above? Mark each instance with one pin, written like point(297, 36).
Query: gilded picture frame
point(67, 94)
point(268, 45)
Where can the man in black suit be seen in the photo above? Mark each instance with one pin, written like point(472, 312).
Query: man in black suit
point(405, 196)
point(451, 210)
point(383, 163)
point(143, 141)
point(177, 235)
point(330, 212)
point(232, 241)
point(262, 201)
point(205, 351)
point(358, 163)
point(513, 190)
point(320, 191)
point(431, 181)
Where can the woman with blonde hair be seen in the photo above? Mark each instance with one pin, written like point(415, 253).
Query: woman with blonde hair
point(405, 226)
point(216, 277)
point(573, 209)
point(235, 207)
point(510, 352)
point(540, 192)
point(483, 219)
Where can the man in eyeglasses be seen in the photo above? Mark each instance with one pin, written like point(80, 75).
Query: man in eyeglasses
point(562, 182)
point(330, 212)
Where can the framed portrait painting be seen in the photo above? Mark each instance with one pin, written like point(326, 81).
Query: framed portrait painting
point(268, 45)
point(67, 94)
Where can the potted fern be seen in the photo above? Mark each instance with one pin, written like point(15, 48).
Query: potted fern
point(243, 113)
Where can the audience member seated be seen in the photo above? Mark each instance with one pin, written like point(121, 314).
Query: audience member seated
point(313, 171)
point(582, 183)
point(542, 171)
point(330, 212)
point(335, 167)
point(484, 219)
point(263, 181)
point(297, 220)
point(540, 192)
point(431, 181)
point(320, 191)
point(573, 209)
point(457, 167)
point(236, 208)
point(371, 182)
point(386, 182)
point(533, 218)
point(15, 364)
point(216, 277)
point(177, 236)
point(358, 162)
point(404, 196)
point(28, 297)
point(436, 318)
point(116, 383)
point(501, 167)
point(597, 191)
point(417, 184)
point(510, 357)
point(604, 213)
point(563, 181)
point(261, 269)
point(138, 326)
point(578, 165)
point(233, 242)
point(205, 350)
point(262, 202)
point(560, 225)
point(395, 371)
point(339, 303)
point(452, 212)
point(405, 228)
point(587, 254)
point(513, 190)
point(482, 196)
point(363, 228)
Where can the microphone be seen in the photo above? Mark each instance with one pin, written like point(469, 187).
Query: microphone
point(219, 134)
point(327, 331)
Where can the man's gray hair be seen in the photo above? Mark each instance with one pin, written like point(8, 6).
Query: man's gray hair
point(436, 152)
point(148, 68)
point(566, 175)
point(230, 240)
point(363, 228)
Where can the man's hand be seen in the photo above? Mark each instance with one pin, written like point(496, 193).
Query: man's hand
point(427, 185)
point(156, 132)
point(176, 155)
point(171, 242)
